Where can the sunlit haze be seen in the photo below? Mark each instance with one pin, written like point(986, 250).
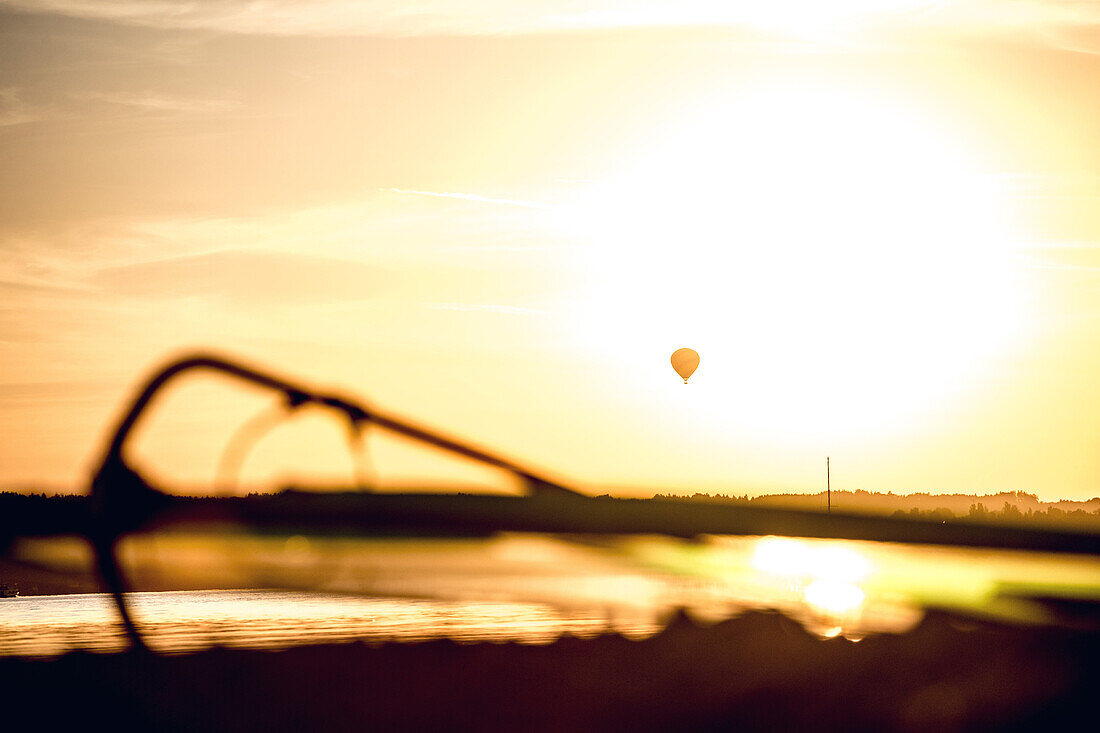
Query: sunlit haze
point(878, 223)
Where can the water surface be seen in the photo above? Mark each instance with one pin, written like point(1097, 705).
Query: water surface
point(180, 621)
point(526, 588)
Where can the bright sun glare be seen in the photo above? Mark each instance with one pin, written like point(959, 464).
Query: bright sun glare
point(826, 575)
point(834, 260)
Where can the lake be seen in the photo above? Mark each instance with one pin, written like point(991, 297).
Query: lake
point(284, 591)
point(182, 621)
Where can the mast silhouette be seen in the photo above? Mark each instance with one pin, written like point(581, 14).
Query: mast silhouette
point(828, 488)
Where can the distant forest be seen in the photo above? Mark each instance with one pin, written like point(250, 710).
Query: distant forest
point(70, 512)
point(1011, 506)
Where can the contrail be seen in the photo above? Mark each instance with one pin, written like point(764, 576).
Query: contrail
point(477, 197)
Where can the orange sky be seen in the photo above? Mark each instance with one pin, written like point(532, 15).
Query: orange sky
point(878, 223)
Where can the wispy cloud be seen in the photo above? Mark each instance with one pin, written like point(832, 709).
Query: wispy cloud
point(512, 310)
point(461, 17)
point(1090, 246)
point(1074, 257)
point(478, 197)
point(13, 110)
point(19, 288)
point(159, 102)
point(387, 229)
point(1037, 263)
point(1084, 39)
point(245, 277)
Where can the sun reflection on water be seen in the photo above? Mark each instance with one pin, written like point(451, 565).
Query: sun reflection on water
point(825, 579)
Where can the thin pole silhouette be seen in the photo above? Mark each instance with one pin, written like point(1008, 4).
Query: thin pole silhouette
point(828, 488)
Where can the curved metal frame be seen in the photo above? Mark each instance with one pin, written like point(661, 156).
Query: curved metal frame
point(122, 500)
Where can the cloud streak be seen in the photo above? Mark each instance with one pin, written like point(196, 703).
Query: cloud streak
point(496, 17)
point(13, 110)
point(160, 103)
point(245, 277)
point(512, 310)
point(477, 197)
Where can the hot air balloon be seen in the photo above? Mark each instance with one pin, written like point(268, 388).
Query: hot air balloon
point(685, 362)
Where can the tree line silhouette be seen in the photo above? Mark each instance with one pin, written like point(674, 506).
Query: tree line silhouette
point(1015, 506)
point(40, 513)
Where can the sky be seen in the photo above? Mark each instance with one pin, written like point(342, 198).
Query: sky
point(877, 222)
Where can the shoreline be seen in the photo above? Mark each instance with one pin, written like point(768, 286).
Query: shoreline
point(31, 580)
point(34, 580)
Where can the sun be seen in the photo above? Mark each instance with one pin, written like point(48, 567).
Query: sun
point(834, 258)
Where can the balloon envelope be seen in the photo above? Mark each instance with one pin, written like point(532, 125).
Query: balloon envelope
point(685, 362)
